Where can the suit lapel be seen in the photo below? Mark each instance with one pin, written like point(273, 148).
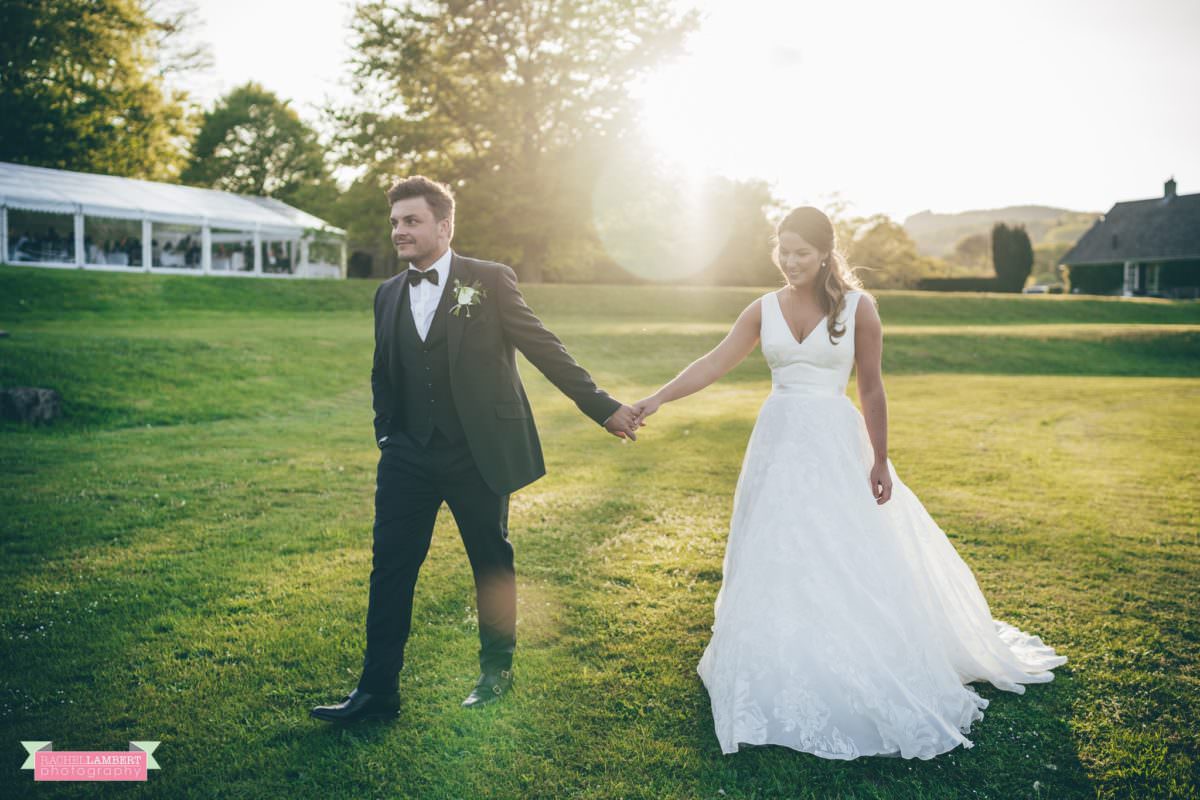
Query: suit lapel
point(455, 323)
point(394, 315)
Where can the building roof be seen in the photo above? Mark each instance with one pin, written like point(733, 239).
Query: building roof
point(42, 189)
point(1162, 228)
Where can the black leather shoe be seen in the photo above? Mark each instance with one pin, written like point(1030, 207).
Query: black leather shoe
point(491, 686)
point(359, 705)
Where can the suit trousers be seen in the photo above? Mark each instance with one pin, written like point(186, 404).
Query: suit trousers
point(411, 484)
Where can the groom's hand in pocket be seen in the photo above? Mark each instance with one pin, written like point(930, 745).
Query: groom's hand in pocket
point(623, 423)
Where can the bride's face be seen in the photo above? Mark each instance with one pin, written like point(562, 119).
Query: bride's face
point(798, 259)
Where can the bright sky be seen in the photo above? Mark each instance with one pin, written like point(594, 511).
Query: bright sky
point(946, 105)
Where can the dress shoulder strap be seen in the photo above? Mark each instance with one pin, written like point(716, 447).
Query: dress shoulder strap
point(851, 308)
point(766, 311)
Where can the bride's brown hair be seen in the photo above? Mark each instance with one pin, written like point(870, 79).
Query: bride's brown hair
point(834, 279)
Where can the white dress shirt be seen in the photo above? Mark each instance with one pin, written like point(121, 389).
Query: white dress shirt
point(425, 297)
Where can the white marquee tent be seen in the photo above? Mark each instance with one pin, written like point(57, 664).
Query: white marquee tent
point(56, 218)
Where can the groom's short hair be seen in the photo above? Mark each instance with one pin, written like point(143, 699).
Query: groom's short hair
point(437, 195)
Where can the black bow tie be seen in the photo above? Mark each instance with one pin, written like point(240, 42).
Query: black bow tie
point(415, 276)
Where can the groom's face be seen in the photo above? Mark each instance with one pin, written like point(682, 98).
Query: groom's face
point(418, 236)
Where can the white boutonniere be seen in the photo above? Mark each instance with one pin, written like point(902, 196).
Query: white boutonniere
point(466, 296)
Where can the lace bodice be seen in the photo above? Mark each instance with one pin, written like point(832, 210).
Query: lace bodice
point(815, 366)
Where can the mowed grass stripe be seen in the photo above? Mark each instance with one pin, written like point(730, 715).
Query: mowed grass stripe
point(245, 366)
point(32, 293)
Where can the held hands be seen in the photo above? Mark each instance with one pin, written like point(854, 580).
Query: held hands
point(627, 419)
point(881, 483)
point(645, 408)
point(623, 423)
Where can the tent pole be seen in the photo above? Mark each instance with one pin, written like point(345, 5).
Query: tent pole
point(80, 256)
point(206, 249)
point(147, 248)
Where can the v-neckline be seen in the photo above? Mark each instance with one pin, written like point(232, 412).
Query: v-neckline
point(791, 333)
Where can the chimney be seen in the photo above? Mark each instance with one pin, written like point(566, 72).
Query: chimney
point(1169, 189)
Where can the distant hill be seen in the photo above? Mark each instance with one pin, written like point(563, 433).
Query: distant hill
point(937, 234)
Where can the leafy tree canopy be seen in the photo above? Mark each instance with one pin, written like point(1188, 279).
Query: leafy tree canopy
point(252, 142)
point(84, 85)
point(507, 100)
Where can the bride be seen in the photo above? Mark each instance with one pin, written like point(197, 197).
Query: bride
point(846, 625)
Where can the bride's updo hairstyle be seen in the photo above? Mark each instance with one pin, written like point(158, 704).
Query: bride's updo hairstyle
point(835, 278)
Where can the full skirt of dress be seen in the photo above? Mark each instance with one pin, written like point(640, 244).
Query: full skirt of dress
point(844, 628)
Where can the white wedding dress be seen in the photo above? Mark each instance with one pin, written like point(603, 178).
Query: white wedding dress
point(844, 628)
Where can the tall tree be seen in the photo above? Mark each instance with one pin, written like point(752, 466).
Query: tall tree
point(252, 142)
point(83, 85)
point(500, 98)
point(974, 251)
point(879, 249)
point(889, 256)
point(1012, 254)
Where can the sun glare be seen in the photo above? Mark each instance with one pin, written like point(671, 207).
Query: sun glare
point(673, 121)
point(664, 230)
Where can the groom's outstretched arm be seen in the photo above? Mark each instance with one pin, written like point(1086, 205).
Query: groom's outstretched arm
point(546, 352)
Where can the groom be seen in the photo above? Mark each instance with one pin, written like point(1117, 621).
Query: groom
point(453, 425)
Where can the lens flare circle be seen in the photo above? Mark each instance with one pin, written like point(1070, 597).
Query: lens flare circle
point(654, 218)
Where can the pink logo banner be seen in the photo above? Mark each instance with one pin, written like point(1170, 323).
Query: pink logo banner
point(90, 765)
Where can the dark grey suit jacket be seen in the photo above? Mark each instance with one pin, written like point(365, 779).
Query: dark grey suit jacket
point(487, 390)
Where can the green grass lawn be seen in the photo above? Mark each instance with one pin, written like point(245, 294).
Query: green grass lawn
point(184, 557)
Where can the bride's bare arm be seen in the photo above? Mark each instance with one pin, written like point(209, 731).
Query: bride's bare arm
point(868, 359)
point(736, 345)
